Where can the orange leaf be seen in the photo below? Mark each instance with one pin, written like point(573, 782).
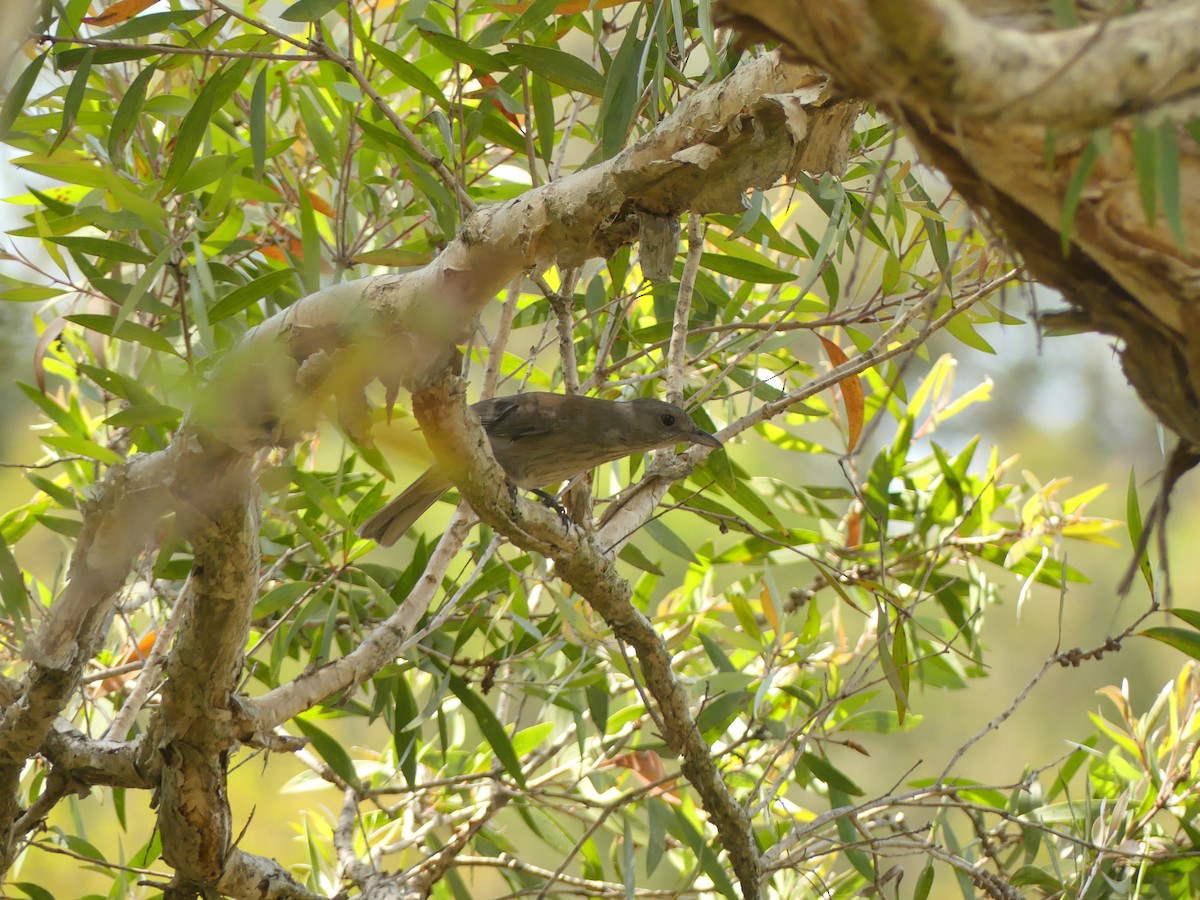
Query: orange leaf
point(852, 394)
point(129, 653)
point(118, 12)
point(143, 648)
point(321, 206)
point(854, 529)
point(647, 767)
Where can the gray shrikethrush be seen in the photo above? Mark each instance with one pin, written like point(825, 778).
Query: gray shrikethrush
point(541, 438)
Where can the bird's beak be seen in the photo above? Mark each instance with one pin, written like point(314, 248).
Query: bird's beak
point(699, 436)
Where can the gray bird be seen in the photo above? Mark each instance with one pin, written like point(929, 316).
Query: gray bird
point(541, 439)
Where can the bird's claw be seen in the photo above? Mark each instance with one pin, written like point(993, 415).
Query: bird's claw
point(551, 501)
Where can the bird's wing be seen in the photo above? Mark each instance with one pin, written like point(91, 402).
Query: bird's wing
point(514, 418)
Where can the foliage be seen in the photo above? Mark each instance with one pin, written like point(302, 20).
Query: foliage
point(192, 171)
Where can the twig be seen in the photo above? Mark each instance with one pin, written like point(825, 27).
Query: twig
point(677, 351)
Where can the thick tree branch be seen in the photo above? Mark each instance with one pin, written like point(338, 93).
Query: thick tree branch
point(197, 702)
point(767, 120)
point(454, 433)
point(1080, 78)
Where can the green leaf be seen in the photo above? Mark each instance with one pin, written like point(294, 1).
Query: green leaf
point(461, 51)
point(70, 59)
point(30, 293)
point(126, 331)
point(669, 540)
point(744, 269)
point(537, 14)
point(205, 171)
point(1133, 520)
point(564, 69)
point(258, 123)
point(405, 738)
point(1035, 875)
point(117, 383)
point(309, 10)
point(656, 842)
point(1168, 181)
point(924, 883)
point(529, 739)
point(74, 98)
point(191, 133)
point(849, 836)
point(406, 71)
point(319, 133)
point(118, 251)
point(830, 774)
point(17, 95)
point(1186, 640)
point(145, 414)
point(597, 697)
point(329, 750)
point(544, 117)
point(139, 290)
point(310, 246)
point(1145, 166)
point(687, 833)
point(246, 295)
point(622, 91)
point(1079, 177)
point(33, 891)
point(1191, 616)
point(633, 555)
point(493, 732)
point(77, 446)
point(12, 589)
point(720, 712)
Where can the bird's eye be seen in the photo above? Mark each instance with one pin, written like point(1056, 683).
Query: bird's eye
point(667, 419)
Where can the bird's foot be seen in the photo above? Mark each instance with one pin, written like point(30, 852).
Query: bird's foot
point(551, 501)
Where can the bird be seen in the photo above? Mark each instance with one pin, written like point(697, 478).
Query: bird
point(542, 438)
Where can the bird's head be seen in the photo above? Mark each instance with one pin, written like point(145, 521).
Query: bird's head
point(653, 424)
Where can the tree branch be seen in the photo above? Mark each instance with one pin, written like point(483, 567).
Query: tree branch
point(454, 432)
point(1082, 77)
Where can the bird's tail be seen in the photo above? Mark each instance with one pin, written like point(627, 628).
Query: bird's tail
point(387, 525)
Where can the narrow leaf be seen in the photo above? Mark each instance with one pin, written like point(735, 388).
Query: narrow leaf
point(246, 295)
point(563, 69)
point(1133, 520)
point(308, 10)
point(1075, 191)
point(329, 750)
point(1168, 181)
point(493, 732)
point(1185, 640)
point(15, 101)
point(74, 99)
point(852, 395)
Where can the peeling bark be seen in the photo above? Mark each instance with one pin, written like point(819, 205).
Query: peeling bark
point(194, 815)
point(983, 102)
